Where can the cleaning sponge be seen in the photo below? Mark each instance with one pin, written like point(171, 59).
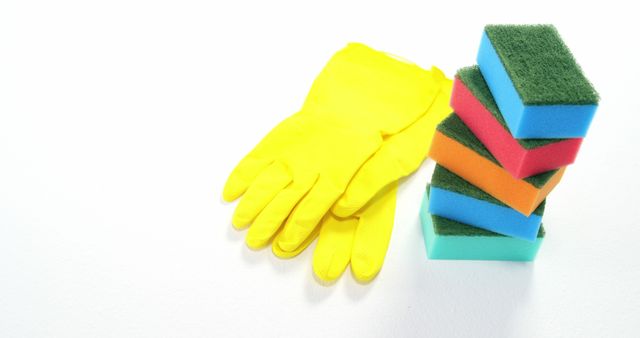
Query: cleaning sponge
point(448, 239)
point(474, 104)
point(456, 148)
point(456, 199)
point(536, 82)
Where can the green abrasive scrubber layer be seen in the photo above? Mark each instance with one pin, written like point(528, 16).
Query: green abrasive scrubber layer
point(540, 65)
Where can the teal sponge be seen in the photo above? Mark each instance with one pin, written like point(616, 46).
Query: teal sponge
point(448, 239)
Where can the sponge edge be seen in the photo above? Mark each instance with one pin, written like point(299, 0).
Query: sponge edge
point(518, 160)
point(525, 120)
point(522, 195)
point(447, 239)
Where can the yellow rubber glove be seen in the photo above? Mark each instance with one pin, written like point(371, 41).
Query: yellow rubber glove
point(399, 157)
point(361, 97)
point(362, 239)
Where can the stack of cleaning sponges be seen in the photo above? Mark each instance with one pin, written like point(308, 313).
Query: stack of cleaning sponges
point(519, 120)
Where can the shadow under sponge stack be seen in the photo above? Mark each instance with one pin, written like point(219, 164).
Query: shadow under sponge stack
point(518, 121)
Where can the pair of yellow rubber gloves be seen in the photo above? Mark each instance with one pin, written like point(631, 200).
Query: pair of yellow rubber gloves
point(331, 170)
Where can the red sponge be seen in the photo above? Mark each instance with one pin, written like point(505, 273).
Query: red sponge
point(472, 101)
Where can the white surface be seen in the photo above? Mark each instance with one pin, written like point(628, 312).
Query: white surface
point(120, 121)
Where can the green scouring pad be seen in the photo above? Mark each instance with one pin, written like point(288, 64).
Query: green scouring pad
point(472, 79)
point(445, 179)
point(455, 128)
point(454, 198)
point(456, 148)
point(473, 102)
point(536, 82)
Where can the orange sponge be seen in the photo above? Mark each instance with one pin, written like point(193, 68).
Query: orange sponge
point(456, 148)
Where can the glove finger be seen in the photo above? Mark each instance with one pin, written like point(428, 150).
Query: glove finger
point(308, 213)
point(242, 176)
point(399, 156)
point(262, 191)
point(290, 254)
point(260, 157)
point(333, 252)
point(372, 236)
point(276, 212)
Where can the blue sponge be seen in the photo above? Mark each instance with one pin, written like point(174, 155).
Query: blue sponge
point(454, 198)
point(448, 239)
point(535, 82)
point(485, 215)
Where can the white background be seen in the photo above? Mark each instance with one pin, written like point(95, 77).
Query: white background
point(120, 120)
